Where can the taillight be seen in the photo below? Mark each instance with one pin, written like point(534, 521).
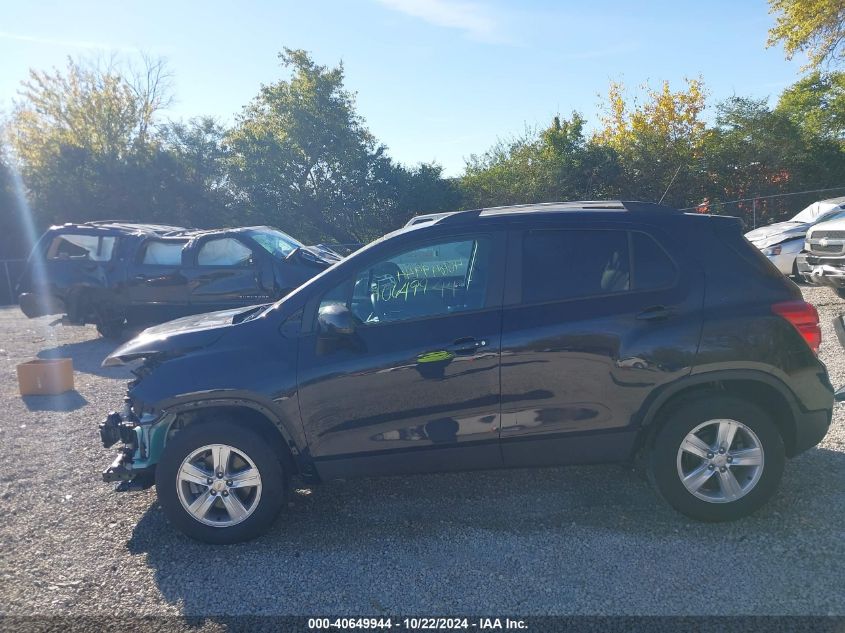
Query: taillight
point(804, 317)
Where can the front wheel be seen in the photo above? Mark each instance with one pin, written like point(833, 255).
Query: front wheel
point(717, 458)
point(220, 483)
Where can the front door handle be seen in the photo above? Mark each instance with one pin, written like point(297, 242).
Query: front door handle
point(466, 345)
point(655, 313)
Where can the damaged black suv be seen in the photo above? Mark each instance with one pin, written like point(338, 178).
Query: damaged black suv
point(521, 336)
point(118, 275)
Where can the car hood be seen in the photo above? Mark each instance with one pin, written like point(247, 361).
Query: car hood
point(175, 338)
point(830, 225)
point(777, 233)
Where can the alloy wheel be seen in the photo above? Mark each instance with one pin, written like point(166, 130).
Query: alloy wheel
point(219, 485)
point(720, 461)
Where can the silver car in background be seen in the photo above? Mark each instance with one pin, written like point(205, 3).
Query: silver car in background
point(782, 241)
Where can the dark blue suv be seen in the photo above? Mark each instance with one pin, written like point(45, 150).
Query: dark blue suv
point(518, 336)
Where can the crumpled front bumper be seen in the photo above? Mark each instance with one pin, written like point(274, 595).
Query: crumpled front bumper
point(132, 468)
point(822, 271)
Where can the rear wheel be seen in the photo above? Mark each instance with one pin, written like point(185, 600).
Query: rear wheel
point(220, 483)
point(113, 329)
point(717, 459)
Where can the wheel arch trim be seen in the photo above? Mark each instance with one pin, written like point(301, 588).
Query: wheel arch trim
point(648, 412)
point(275, 419)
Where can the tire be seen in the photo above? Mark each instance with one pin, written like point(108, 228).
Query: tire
point(717, 499)
point(111, 329)
point(840, 292)
point(248, 452)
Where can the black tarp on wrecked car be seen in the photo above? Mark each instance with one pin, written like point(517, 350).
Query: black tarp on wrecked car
point(115, 274)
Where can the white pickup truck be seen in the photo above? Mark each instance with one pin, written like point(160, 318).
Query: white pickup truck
point(823, 261)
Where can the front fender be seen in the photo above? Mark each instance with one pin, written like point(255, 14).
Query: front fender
point(290, 431)
point(252, 366)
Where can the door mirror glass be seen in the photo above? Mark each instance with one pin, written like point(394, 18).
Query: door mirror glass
point(335, 319)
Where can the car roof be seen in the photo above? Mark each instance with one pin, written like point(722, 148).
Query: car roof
point(120, 227)
point(152, 230)
point(192, 233)
point(611, 207)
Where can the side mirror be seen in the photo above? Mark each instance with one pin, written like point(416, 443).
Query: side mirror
point(336, 320)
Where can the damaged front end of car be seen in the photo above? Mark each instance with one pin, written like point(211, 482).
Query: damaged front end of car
point(142, 424)
point(142, 432)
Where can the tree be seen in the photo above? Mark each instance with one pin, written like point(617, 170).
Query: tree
point(816, 27)
point(422, 189)
point(85, 140)
point(92, 107)
point(659, 142)
point(754, 151)
point(193, 161)
point(303, 159)
point(816, 103)
point(14, 241)
point(557, 163)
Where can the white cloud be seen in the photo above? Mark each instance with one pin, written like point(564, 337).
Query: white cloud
point(477, 21)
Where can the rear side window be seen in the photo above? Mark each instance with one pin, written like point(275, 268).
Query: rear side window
point(750, 254)
point(161, 253)
point(652, 266)
point(568, 264)
point(75, 246)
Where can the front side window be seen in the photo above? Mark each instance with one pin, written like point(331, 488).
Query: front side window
point(567, 264)
point(437, 279)
point(276, 243)
point(75, 246)
point(225, 251)
point(163, 253)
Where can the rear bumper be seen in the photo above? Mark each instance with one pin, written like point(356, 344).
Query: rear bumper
point(810, 429)
point(822, 271)
point(40, 304)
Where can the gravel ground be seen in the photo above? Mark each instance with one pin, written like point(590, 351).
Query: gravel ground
point(577, 540)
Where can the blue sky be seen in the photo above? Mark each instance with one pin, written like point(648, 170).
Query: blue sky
point(436, 80)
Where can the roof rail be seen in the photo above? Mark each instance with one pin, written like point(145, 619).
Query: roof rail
point(631, 206)
point(459, 216)
point(123, 224)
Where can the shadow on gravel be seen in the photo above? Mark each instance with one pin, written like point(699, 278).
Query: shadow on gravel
point(551, 535)
point(68, 401)
point(88, 357)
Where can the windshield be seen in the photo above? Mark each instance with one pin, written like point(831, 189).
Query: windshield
point(816, 211)
point(836, 214)
point(275, 242)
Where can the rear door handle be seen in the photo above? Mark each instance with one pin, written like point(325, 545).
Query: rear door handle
point(466, 345)
point(655, 313)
